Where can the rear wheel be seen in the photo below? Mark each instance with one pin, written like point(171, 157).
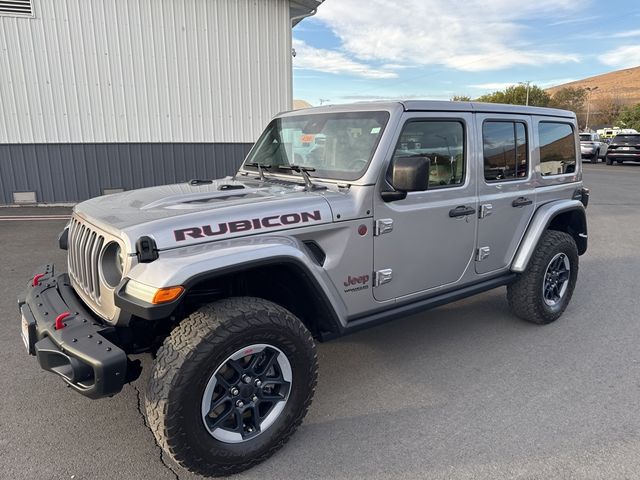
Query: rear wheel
point(608, 160)
point(543, 291)
point(230, 385)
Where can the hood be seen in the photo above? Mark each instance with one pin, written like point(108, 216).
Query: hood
point(184, 214)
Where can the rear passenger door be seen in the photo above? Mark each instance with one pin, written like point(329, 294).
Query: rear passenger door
point(506, 190)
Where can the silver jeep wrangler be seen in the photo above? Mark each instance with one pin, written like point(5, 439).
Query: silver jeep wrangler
point(340, 218)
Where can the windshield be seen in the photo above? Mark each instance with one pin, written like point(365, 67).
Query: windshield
point(585, 137)
point(337, 145)
point(627, 139)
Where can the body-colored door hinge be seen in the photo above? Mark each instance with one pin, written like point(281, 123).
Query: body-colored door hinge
point(382, 276)
point(382, 226)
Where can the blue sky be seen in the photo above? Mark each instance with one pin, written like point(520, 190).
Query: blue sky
point(356, 50)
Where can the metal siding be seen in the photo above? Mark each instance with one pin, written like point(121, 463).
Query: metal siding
point(135, 71)
point(61, 173)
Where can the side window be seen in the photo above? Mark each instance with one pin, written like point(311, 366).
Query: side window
point(557, 148)
point(506, 152)
point(443, 142)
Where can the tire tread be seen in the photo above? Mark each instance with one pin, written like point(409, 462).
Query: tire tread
point(524, 296)
point(214, 324)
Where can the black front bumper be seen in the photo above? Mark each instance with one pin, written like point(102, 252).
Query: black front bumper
point(80, 352)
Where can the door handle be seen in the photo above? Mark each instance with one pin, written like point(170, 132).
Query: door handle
point(462, 211)
point(521, 202)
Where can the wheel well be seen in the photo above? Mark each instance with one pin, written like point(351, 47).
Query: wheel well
point(574, 223)
point(287, 285)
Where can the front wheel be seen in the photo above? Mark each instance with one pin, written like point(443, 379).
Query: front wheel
point(230, 385)
point(543, 291)
point(608, 160)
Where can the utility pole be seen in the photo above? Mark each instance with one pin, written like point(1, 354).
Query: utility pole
point(527, 84)
point(589, 90)
point(324, 100)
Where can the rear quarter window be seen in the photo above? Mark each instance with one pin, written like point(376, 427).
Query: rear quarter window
point(557, 148)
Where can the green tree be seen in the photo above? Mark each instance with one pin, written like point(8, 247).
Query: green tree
point(569, 98)
point(606, 110)
point(517, 95)
point(630, 117)
point(461, 98)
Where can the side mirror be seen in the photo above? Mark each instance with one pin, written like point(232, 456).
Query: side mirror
point(408, 174)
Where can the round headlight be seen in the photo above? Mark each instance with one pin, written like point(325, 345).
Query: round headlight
point(112, 264)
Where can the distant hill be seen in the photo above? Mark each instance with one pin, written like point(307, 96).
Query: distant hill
point(622, 86)
point(300, 104)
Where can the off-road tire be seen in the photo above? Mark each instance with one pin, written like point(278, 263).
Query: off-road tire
point(525, 295)
point(193, 351)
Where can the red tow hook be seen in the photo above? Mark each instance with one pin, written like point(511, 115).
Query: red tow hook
point(36, 279)
point(60, 320)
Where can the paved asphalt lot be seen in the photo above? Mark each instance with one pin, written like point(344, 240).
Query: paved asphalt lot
point(463, 391)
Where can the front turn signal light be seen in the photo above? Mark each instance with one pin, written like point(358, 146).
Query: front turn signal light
point(169, 294)
point(151, 294)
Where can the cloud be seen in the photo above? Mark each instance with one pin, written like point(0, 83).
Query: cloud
point(492, 86)
point(365, 97)
point(624, 57)
point(323, 60)
point(627, 34)
point(470, 35)
point(539, 83)
point(555, 82)
point(571, 20)
point(372, 97)
point(396, 66)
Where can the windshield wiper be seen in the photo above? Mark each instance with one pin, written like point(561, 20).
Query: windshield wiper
point(302, 170)
point(260, 166)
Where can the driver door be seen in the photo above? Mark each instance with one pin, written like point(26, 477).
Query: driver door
point(426, 241)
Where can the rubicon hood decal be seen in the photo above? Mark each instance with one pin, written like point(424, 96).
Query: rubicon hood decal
point(181, 215)
point(235, 226)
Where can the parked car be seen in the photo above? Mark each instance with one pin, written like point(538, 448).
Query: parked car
point(227, 283)
point(591, 147)
point(624, 147)
point(606, 134)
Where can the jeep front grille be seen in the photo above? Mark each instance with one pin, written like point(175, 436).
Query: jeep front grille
point(85, 245)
